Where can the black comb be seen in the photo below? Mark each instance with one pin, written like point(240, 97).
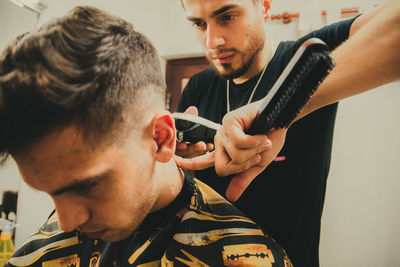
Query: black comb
point(297, 83)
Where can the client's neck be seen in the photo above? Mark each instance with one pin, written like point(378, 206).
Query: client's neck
point(170, 178)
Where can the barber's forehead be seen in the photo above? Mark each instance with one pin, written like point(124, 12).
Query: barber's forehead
point(203, 3)
point(205, 8)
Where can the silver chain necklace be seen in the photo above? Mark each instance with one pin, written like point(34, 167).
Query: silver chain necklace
point(228, 106)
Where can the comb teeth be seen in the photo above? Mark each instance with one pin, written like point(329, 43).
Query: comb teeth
point(295, 86)
point(306, 80)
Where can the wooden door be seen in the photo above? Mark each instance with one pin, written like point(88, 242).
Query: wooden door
point(178, 72)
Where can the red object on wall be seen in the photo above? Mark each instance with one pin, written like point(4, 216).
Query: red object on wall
point(287, 17)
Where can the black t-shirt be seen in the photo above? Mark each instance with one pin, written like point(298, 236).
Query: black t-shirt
point(287, 198)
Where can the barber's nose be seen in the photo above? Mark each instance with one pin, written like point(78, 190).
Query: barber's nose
point(70, 213)
point(214, 38)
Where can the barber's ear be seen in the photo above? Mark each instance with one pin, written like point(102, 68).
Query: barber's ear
point(267, 7)
point(164, 136)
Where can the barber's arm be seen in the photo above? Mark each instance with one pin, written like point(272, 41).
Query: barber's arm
point(368, 59)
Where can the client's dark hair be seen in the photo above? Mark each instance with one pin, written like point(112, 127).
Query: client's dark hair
point(86, 68)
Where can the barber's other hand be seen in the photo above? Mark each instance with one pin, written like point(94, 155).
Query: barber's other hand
point(242, 180)
point(185, 150)
point(237, 153)
point(244, 155)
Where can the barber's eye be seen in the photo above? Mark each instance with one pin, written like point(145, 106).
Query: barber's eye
point(198, 24)
point(227, 17)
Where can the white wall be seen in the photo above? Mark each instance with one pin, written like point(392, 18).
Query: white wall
point(33, 207)
point(9, 177)
point(146, 16)
point(361, 218)
point(10, 26)
point(13, 21)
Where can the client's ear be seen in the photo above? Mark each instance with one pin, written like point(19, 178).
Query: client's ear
point(164, 136)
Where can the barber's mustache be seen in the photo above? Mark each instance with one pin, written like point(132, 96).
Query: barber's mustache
point(214, 53)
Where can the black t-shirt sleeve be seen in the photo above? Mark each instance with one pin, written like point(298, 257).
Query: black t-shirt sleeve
point(333, 35)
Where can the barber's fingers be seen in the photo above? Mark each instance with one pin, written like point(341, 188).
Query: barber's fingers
point(240, 156)
point(239, 149)
point(197, 163)
point(193, 150)
point(224, 165)
point(239, 139)
point(192, 110)
point(228, 168)
point(240, 119)
point(240, 182)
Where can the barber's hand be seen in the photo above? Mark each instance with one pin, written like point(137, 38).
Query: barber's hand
point(244, 155)
point(237, 153)
point(242, 180)
point(185, 150)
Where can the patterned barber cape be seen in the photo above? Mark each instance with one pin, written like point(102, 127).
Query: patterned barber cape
point(199, 228)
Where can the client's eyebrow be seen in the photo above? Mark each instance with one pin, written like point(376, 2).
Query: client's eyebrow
point(215, 13)
point(82, 184)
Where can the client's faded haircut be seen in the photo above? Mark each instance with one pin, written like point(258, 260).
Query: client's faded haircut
point(86, 68)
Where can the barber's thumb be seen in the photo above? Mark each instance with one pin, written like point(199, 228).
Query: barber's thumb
point(192, 110)
point(236, 187)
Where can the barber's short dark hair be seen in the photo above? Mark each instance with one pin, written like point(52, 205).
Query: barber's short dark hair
point(85, 68)
point(183, 5)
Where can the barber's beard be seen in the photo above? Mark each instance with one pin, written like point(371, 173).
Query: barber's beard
point(247, 57)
